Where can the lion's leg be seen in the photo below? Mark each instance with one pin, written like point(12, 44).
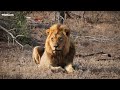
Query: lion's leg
point(69, 68)
point(37, 54)
point(36, 59)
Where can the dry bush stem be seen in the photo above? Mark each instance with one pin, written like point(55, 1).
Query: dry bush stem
point(13, 37)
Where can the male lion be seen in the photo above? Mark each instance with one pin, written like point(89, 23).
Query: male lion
point(59, 50)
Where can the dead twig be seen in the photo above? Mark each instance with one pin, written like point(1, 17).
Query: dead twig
point(71, 15)
point(12, 29)
point(19, 36)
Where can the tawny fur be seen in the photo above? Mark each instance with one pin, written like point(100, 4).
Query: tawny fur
point(37, 54)
point(62, 59)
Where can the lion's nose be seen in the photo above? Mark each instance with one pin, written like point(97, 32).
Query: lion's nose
point(56, 46)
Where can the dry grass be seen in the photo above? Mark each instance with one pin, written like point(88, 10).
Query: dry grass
point(17, 64)
point(89, 39)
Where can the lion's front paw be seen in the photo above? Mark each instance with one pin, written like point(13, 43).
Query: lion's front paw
point(69, 68)
point(57, 69)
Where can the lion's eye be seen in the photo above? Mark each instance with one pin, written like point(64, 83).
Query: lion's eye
point(60, 38)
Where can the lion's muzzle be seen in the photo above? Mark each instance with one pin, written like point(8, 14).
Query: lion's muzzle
point(56, 46)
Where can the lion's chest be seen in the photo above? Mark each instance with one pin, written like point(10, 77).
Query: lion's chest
point(54, 60)
point(58, 60)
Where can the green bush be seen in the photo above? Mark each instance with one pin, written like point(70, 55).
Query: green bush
point(18, 21)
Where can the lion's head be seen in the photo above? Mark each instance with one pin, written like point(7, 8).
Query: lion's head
point(58, 39)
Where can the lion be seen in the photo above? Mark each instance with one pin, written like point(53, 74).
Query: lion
point(59, 51)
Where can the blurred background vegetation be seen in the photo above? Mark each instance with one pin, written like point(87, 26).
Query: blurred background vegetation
point(16, 24)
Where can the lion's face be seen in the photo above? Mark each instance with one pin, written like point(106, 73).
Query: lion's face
point(57, 41)
point(58, 37)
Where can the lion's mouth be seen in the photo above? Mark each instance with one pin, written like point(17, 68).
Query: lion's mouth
point(56, 50)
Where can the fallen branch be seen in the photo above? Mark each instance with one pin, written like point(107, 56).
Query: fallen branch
point(92, 54)
point(13, 37)
point(99, 38)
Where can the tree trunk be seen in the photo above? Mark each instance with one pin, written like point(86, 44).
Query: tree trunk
point(61, 17)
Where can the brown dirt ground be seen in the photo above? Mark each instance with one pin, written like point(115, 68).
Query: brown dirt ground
point(89, 39)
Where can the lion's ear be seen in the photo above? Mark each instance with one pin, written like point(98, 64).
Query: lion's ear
point(47, 31)
point(67, 31)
